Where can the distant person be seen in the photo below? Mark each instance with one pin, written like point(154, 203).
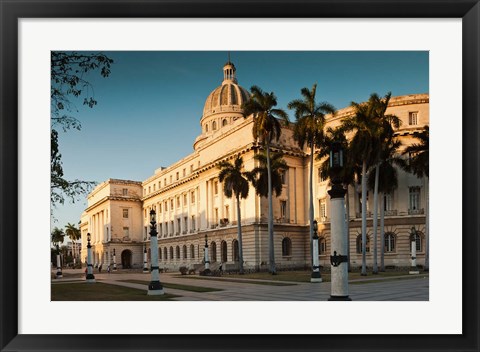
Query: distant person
point(108, 269)
point(100, 268)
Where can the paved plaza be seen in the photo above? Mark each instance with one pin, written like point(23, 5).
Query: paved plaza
point(405, 288)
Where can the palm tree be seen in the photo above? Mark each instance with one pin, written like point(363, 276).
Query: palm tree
point(74, 234)
point(260, 177)
point(57, 236)
point(387, 182)
point(364, 148)
point(418, 165)
point(309, 128)
point(388, 123)
point(266, 128)
point(235, 183)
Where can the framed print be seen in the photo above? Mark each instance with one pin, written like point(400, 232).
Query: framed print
point(264, 34)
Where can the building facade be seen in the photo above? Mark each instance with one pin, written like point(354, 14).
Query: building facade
point(191, 206)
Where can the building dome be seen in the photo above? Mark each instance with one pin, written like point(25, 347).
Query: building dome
point(228, 97)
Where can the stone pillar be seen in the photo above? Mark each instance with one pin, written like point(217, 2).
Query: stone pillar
point(155, 287)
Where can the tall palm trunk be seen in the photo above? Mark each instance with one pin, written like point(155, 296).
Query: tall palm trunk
point(364, 218)
point(427, 234)
point(382, 232)
point(239, 229)
point(311, 200)
point(271, 248)
point(375, 219)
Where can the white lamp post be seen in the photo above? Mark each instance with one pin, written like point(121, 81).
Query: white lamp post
point(155, 287)
point(339, 250)
point(413, 267)
point(207, 262)
point(90, 277)
point(316, 276)
point(59, 274)
point(145, 268)
point(114, 261)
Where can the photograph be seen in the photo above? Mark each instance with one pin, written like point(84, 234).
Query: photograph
point(240, 175)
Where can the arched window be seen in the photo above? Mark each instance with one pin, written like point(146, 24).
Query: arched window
point(171, 253)
point(286, 247)
point(213, 255)
point(192, 251)
point(165, 254)
point(159, 253)
point(390, 242)
point(236, 252)
point(417, 237)
point(359, 244)
point(184, 252)
point(224, 122)
point(322, 246)
point(177, 252)
point(223, 250)
point(206, 127)
point(214, 125)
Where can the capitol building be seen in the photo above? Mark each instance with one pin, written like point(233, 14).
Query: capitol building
point(191, 206)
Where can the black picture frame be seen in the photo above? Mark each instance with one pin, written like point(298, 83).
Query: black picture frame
point(12, 11)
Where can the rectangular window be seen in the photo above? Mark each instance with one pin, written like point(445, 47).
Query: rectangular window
point(413, 118)
point(191, 168)
point(126, 232)
point(193, 223)
point(178, 226)
point(171, 204)
point(185, 200)
point(185, 224)
point(164, 182)
point(283, 177)
point(193, 197)
point(149, 190)
point(160, 228)
point(159, 208)
point(177, 175)
point(283, 209)
point(154, 187)
point(125, 213)
point(387, 202)
point(323, 209)
point(166, 205)
point(125, 192)
point(414, 196)
point(178, 202)
point(215, 187)
point(216, 215)
point(184, 172)
point(172, 230)
point(227, 212)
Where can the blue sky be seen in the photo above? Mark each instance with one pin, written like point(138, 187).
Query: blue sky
point(149, 108)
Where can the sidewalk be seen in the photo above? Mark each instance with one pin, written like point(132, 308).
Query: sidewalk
point(402, 288)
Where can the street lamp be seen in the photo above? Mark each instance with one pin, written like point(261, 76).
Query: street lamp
point(145, 269)
point(413, 267)
point(59, 274)
point(339, 272)
point(90, 278)
point(207, 262)
point(114, 261)
point(316, 276)
point(155, 287)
